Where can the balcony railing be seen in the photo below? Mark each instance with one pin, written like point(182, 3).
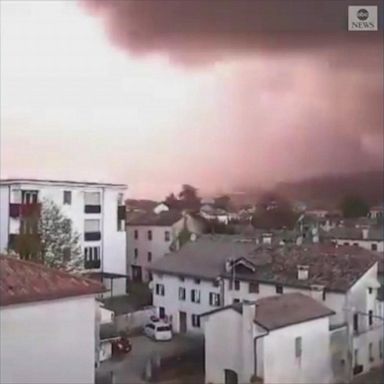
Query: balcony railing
point(92, 236)
point(92, 264)
point(92, 208)
point(24, 210)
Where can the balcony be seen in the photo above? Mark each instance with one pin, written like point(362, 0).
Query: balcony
point(92, 264)
point(92, 236)
point(24, 210)
point(92, 208)
point(121, 212)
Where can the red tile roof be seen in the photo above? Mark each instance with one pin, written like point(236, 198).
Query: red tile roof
point(25, 281)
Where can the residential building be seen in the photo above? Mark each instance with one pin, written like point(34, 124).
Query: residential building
point(97, 213)
point(377, 212)
point(271, 340)
point(221, 270)
point(371, 238)
point(48, 325)
point(150, 236)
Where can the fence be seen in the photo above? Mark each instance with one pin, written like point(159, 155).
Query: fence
point(134, 321)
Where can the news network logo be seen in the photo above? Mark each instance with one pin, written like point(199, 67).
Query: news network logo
point(362, 18)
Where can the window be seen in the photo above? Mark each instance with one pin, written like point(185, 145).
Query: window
point(370, 352)
point(181, 293)
point(92, 225)
point(214, 299)
point(346, 243)
point(324, 294)
point(279, 288)
point(197, 281)
point(381, 348)
point(66, 254)
point(216, 283)
point(92, 198)
point(370, 317)
point(181, 278)
point(149, 257)
point(91, 257)
point(195, 296)
point(298, 347)
point(370, 290)
point(373, 247)
point(29, 197)
point(356, 322)
point(167, 236)
point(136, 253)
point(355, 244)
point(356, 357)
point(196, 321)
point(237, 285)
point(120, 198)
point(235, 301)
point(253, 288)
point(67, 197)
point(136, 234)
point(160, 291)
point(149, 235)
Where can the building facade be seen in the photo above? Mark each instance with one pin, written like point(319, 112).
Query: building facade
point(217, 271)
point(47, 325)
point(96, 210)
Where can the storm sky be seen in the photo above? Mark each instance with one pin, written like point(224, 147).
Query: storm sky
point(215, 93)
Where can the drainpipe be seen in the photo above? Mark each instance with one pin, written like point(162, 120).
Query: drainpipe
point(255, 350)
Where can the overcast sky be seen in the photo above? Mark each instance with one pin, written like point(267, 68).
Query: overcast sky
point(214, 93)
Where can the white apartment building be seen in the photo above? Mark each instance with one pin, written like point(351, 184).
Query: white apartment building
point(217, 271)
point(97, 213)
point(48, 325)
point(152, 235)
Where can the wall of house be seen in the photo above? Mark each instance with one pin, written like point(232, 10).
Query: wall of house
point(173, 305)
point(49, 342)
point(222, 348)
point(158, 246)
point(280, 362)
point(4, 217)
point(366, 244)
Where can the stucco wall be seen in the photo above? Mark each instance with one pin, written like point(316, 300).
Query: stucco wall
point(170, 301)
point(279, 360)
point(366, 244)
point(48, 342)
point(222, 347)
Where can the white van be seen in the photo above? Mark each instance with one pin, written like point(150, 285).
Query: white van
point(158, 330)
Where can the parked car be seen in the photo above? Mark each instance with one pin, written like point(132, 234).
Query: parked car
point(158, 330)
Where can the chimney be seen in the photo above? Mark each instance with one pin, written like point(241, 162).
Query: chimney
point(193, 237)
point(317, 291)
point(302, 272)
point(365, 232)
point(228, 265)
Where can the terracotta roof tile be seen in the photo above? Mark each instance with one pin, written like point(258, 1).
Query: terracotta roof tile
point(25, 281)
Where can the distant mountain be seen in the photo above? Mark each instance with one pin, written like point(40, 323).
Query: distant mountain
point(327, 191)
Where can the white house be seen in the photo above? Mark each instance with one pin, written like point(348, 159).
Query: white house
point(97, 213)
point(270, 341)
point(47, 325)
point(371, 238)
point(377, 212)
point(219, 270)
point(150, 236)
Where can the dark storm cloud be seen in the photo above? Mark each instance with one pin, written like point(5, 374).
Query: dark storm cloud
point(346, 133)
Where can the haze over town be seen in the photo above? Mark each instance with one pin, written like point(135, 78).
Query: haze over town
point(177, 95)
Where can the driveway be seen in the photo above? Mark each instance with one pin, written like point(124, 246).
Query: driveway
point(131, 368)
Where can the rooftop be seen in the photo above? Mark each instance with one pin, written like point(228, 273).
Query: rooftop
point(60, 182)
point(165, 218)
point(25, 282)
point(348, 233)
point(276, 312)
point(337, 268)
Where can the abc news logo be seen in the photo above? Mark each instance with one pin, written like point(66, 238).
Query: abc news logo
point(362, 18)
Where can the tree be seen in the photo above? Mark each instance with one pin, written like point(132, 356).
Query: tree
point(50, 239)
point(171, 200)
point(223, 202)
point(354, 206)
point(189, 198)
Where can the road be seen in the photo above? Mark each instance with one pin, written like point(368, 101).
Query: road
point(131, 368)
